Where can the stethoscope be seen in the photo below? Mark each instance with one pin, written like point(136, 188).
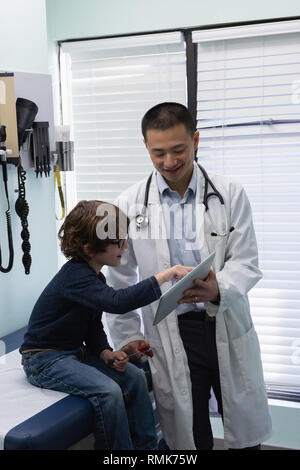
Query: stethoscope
point(142, 220)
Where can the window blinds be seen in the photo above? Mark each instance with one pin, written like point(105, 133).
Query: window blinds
point(248, 115)
point(112, 83)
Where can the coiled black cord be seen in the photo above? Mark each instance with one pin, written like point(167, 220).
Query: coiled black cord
point(8, 223)
point(22, 209)
point(10, 245)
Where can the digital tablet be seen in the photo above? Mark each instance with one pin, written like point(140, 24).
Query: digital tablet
point(169, 300)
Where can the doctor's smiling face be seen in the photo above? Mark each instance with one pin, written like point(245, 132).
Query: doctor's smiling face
point(172, 152)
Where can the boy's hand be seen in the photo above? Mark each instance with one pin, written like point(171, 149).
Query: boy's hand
point(133, 347)
point(173, 274)
point(115, 359)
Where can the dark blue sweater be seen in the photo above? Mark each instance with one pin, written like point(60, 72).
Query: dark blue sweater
point(68, 312)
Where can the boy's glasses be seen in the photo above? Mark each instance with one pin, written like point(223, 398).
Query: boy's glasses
point(119, 243)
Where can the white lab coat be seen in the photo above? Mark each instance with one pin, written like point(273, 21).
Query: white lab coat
point(246, 417)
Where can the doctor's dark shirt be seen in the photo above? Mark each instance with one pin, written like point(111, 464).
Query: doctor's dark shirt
point(68, 312)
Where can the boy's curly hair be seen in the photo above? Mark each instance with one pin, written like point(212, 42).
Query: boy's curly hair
point(92, 223)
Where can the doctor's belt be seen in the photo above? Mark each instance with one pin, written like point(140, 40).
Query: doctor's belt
point(198, 315)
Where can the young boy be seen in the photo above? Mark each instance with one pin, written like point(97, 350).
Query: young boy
point(65, 347)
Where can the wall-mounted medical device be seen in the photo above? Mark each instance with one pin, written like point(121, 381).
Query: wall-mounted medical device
point(8, 115)
point(64, 148)
point(9, 151)
point(4, 152)
point(41, 148)
point(25, 142)
point(65, 153)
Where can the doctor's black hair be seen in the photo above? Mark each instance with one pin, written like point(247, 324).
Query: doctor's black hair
point(163, 116)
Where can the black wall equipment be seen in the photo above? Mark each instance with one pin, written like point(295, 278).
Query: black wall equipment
point(41, 148)
point(7, 212)
point(26, 113)
point(22, 210)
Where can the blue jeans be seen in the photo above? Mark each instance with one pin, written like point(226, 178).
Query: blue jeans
point(123, 411)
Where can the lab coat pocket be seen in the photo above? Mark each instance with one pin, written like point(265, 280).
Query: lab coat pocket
point(161, 384)
point(211, 242)
point(247, 351)
point(216, 243)
point(164, 399)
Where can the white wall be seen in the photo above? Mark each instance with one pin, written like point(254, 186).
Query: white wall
point(68, 19)
point(23, 36)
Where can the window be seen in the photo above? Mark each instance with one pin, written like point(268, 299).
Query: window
point(249, 119)
point(109, 84)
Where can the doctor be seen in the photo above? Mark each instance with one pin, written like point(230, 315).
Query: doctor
point(209, 341)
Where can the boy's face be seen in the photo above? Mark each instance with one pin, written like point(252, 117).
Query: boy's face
point(112, 255)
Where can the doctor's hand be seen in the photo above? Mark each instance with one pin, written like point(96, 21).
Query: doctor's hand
point(173, 274)
point(202, 291)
